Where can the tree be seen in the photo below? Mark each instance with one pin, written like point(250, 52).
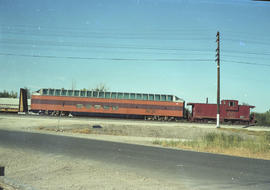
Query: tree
point(13, 94)
point(101, 88)
point(263, 119)
point(6, 94)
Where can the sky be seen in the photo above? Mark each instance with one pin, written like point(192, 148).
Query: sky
point(144, 46)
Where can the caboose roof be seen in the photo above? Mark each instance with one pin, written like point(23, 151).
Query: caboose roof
point(190, 103)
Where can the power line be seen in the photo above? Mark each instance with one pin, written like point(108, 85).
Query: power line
point(132, 59)
point(242, 57)
point(85, 44)
point(99, 58)
point(106, 35)
point(247, 63)
point(120, 31)
point(61, 28)
point(125, 30)
point(244, 52)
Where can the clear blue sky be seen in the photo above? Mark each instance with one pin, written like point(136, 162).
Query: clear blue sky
point(151, 46)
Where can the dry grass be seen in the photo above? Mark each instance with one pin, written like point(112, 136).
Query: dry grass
point(244, 131)
point(87, 130)
point(257, 146)
point(100, 131)
point(6, 186)
point(82, 131)
point(230, 141)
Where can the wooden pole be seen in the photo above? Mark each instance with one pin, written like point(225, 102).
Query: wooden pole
point(218, 80)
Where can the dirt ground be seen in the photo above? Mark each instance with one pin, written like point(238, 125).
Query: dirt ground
point(28, 169)
point(119, 130)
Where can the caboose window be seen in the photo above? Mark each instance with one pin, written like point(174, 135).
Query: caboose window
point(231, 104)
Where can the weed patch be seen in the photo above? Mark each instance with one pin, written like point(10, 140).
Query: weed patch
point(231, 144)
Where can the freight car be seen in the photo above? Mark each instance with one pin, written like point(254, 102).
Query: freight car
point(230, 112)
point(110, 104)
point(15, 105)
point(9, 105)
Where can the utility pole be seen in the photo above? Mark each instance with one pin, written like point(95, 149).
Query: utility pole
point(218, 78)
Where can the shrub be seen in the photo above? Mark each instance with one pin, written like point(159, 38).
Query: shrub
point(263, 119)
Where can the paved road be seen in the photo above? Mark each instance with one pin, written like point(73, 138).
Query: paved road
point(196, 170)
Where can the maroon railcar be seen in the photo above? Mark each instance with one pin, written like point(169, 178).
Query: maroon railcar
point(230, 111)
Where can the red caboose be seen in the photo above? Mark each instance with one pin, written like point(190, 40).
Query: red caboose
point(230, 111)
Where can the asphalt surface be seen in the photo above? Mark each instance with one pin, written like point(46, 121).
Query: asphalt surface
point(195, 170)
